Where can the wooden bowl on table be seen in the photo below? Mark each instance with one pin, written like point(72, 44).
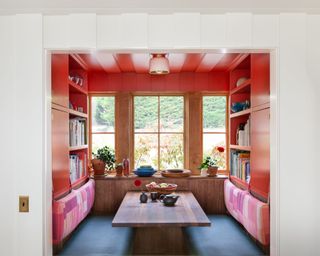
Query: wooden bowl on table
point(162, 190)
point(176, 173)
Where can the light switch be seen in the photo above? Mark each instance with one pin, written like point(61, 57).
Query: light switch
point(23, 203)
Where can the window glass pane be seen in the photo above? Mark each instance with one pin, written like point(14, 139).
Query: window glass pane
point(214, 113)
point(101, 140)
point(171, 114)
point(146, 114)
point(102, 114)
point(171, 151)
point(210, 142)
point(146, 150)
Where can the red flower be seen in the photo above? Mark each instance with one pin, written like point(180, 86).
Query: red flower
point(137, 183)
point(220, 149)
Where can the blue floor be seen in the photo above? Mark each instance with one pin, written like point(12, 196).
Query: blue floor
point(95, 236)
point(225, 237)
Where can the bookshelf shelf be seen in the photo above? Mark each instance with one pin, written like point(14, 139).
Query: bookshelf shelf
point(76, 148)
point(241, 113)
point(75, 88)
point(73, 112)
point(237, 147)
point(239, 183)
point(243, 88)
point(78, 183)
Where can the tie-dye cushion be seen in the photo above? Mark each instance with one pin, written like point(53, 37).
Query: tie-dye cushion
point(253, 214)
point(70, 210)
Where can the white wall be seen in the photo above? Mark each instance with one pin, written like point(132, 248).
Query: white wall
point(22, 136)
point(292, 34)
point(29, 136)
point(313, 58)
point(298, 191)
point(7, 170)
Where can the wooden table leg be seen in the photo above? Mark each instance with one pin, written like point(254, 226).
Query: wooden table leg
point(160, 241)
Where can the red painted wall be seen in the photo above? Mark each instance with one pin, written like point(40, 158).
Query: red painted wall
point(186, 81)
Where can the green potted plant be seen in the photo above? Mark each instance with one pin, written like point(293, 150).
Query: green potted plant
point(210, 164)
point(103, 160)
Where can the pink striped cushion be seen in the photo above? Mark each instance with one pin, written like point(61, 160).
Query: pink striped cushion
point(256, 219)
point(234, 200)
point(69, 211)
point(249, 211)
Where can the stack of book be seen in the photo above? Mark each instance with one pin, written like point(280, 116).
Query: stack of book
point(240, 165)
point(77, 127)
point(243, 134)
point(77, 167)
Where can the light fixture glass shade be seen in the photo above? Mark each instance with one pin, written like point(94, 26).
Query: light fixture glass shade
point(159, 65)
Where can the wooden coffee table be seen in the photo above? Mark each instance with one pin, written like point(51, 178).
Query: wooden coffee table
point(159, 229)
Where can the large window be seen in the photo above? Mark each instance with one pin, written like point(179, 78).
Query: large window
point(158, 131)
point(214, 127)
point(102, 122)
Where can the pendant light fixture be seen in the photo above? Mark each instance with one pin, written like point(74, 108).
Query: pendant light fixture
point(159, 64)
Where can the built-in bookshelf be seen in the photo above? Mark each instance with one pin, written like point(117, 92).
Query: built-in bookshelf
point(249, 123)
point(70, 122)
point(240, 93)
point(78, 120)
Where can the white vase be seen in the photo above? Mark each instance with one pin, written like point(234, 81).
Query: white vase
point(203, 173)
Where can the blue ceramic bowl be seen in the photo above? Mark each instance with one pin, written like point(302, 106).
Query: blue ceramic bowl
point(239, 106)
point(143, 172)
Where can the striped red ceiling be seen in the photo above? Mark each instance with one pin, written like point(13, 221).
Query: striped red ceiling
point(139, 62)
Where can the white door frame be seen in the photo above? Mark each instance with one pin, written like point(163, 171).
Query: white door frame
point(274, 138)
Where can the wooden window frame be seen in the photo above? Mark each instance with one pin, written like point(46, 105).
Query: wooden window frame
point(158, 132)
point(225, 94)
point(91, 95)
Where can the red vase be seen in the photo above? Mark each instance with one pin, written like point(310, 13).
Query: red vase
point(125, 164)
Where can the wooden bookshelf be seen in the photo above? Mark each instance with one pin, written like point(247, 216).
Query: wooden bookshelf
point(240, 155)
point(241, 113)
point(255, 89)
point(243, 88)
point(68, 95)
point(75, 113)
point(242, 148)
point(76, 148)
point(75, 88)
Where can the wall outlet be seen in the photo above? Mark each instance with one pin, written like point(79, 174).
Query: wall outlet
point(23, 203)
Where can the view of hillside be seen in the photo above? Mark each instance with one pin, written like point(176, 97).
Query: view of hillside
point(171, 121)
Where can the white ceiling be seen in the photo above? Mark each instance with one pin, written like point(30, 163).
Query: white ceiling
point(156, 6)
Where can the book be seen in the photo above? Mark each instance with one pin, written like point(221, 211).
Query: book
point(78, 166)
point(77, 132)
point(240, 165)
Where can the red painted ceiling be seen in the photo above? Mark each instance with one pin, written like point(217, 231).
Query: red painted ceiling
point(139, 62)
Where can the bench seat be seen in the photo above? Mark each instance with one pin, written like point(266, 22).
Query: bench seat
point(70, 210)
point(252, 213)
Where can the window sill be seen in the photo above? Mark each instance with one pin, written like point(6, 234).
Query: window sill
point(155, 176)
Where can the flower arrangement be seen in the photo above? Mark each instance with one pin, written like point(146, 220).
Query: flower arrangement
point(216, 160)
point(219, 156)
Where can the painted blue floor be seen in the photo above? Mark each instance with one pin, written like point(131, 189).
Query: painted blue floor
point(95, 236)
point(225, 237)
